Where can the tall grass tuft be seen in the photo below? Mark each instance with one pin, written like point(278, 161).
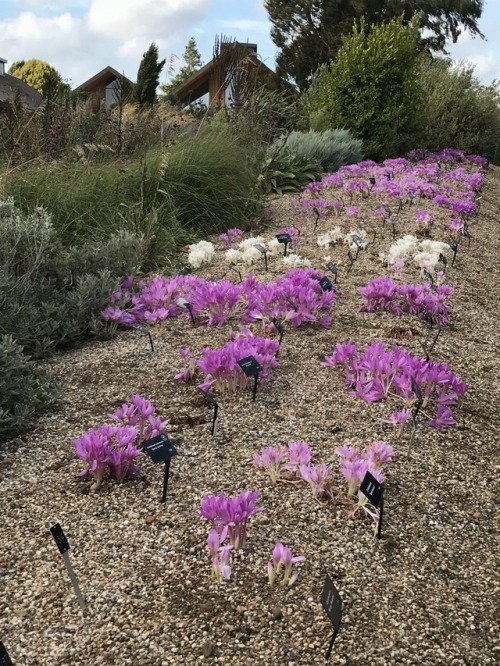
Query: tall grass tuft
point(202, 184)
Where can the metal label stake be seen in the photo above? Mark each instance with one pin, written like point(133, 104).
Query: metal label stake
point(63, 545)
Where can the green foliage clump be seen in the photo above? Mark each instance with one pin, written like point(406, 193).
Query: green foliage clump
point(458, 110)
point(371, 87)
point(285, 172)
point(308, 33)
point(25, 389)
point(331, 149)
point(49, 295)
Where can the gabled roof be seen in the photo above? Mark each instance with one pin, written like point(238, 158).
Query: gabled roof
point(10, 85)
point(104, 74)
point(194, 84)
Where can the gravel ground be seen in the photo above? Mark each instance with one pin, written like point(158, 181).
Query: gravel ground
point(426, 594)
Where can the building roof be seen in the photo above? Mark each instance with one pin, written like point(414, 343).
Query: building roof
point(194, 85)
point(103, 75)
point(10, 85)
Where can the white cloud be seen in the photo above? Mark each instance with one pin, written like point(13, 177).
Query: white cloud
point(119, 19)
point(480, 53)
point(110, 32)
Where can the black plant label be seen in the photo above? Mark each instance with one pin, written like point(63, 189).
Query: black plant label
point(60, 538)
point(159, 448)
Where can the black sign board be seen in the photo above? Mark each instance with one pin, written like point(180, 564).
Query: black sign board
point(250, 366)
point(5, 660)
point(236, 270)
point(60, 538)
point(372, 489)
point(263, 250)
point(332, 603)
point(285, 239)
point(279, 327)
point(372, 180)
point(356, 240)
point(145, 331)
point(213, 403)
point(159, 448)
point(325, 284)
point(277, 324)
point(332, 267)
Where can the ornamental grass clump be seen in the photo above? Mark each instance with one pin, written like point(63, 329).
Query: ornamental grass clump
point(111, 449)
point(378, 373)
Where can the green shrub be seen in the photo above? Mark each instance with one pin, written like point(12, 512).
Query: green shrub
point(49, 295)
point(331, 149)
point(459, 111)
point(371, 87)
point(284, 172)
point(25, 389)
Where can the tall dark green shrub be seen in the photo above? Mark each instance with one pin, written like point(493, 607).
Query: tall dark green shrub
point(148, 77)
point(458, 110)
point(371, 87)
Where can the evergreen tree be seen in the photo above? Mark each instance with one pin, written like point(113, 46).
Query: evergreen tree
point(148, 77)
point(309, 32)
point(192, 63)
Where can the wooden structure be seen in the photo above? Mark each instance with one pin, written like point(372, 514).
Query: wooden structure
point(12, 86)
point(105, 85)
point(223, 77)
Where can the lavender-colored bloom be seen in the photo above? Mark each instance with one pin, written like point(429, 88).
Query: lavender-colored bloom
point(282, 557)
point(319, 479)
point(378, 373)
point(271, 460)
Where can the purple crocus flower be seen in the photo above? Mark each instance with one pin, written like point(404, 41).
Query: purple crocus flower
point(282, 557)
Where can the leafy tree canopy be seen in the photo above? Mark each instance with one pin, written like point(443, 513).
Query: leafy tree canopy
point(308, 32)
point(148, 77)
point(192, 63)
point(39, 75)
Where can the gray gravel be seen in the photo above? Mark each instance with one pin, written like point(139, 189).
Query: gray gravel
point(426, 594)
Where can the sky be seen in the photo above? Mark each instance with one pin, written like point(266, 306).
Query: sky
point(81, 37)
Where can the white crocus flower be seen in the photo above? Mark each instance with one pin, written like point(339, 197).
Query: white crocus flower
point(251, 255)
point(200, 253)
point(250, 242)
point(295, 260)
point(233, 257)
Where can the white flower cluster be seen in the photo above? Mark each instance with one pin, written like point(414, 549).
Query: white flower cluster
point(429, 257)
point(360, 236)
point(200, 253)
point(425, 253)
point(296, 261)
point(332, 236)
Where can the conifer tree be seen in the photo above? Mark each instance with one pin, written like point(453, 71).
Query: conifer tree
point(148, 77)
point(192, 63)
